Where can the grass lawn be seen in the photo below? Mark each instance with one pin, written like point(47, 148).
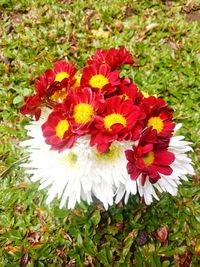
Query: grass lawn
point(164, 40)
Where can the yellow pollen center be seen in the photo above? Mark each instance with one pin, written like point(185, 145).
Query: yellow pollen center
point(70, 159)
point(60, 76)
point(61, 128)
point(83, 113)
point(112, 119)
point(59, 95)
point(98, 81)
point(77, 82)
point(156, 123)
point(148, 158)
point(124, 96)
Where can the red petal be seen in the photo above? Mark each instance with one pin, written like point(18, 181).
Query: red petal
point(37, 114)
point(104, 69)
point(113, 77)
point(166, 170)
point(103, 147)
point(130, 155)
point(163, 158)
point(143, 180)
point(135, 173)
point(147, 148)
point(152, 172)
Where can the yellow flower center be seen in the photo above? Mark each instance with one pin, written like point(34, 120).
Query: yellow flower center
point(60, 76)
point(156, 123)
point(124, 96)
point(61, 128)
point(59, 95)
point(113, 153)
point(77, 82)
point(148, 158)
point(83, 113)
point(98, 81)
point(112, 119)
point(70, 159)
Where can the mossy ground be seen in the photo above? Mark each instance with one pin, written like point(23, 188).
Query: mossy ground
point(163, 37)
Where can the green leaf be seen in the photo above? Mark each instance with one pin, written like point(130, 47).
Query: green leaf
point(102, 256)
point(18, 99)
point(79, 240)
point(168, 252)
point(127, 245)
point(96, 217)
point(26, 92)
point(13, 235)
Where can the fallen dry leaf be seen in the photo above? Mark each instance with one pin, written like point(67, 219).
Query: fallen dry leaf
point(119, 25)
point(145, 30)
point(24, 260)
point(151, 26)
point(100, 33)
point(162, 234)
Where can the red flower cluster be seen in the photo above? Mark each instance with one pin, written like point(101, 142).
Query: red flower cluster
point(149, 158)
point(114, 58)
point(108, 108)
point(51, 88)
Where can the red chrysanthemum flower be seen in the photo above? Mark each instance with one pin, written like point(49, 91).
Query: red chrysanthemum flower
point(158, 116)
point(128, 90)
point(148, 159)
point(64, 75)
point(63, 70)
point(84, 104)
point(98, 58)
point(100, 78)
point(115, 58)
point(118, 57)
point(117, 122)
point(63, 89)
point(55, 83)
point(57, 130)
point(45, 85)
point(32, 106)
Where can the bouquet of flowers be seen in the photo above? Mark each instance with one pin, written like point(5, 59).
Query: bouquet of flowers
point(96, 135)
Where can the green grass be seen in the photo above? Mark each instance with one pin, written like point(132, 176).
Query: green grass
point(163, 37)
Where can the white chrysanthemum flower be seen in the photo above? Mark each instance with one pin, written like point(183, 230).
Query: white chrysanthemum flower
point(181, 167)
point(76, 173)
point(109, 171)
